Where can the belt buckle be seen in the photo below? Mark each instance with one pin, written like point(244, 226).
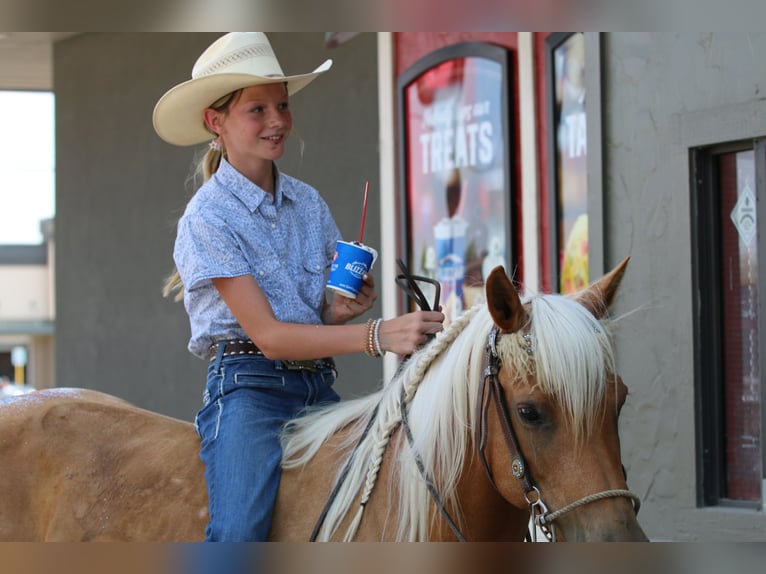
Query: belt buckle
point(309, 365)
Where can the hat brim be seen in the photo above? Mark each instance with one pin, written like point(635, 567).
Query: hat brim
point(178, 115)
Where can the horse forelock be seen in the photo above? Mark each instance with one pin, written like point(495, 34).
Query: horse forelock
point(568, 356)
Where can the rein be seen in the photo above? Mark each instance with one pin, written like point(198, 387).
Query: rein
point(341, 478)
point(539, 513)
point(421, 467)
point(409, 284)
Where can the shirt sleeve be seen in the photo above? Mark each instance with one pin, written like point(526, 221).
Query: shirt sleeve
point(205, 248)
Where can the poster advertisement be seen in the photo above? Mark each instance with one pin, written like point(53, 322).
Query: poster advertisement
point(456, 176)
point(571, 162)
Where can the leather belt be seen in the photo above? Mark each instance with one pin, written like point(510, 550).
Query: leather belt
point(247, 347)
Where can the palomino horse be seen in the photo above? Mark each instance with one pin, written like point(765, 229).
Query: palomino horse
point(511, 412)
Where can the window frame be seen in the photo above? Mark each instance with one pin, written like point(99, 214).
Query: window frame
point(707, 300)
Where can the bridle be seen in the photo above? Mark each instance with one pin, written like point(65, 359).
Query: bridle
point(492, 392)
point(490, 389)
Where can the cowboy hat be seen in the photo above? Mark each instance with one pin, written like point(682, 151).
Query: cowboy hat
point(234, 61)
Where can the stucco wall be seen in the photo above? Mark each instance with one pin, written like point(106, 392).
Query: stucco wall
point(662, 95)
point(120, 191)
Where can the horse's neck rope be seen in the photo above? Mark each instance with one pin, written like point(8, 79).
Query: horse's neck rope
point(389, 424)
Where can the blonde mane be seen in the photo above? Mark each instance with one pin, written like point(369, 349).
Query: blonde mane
point(571, 359)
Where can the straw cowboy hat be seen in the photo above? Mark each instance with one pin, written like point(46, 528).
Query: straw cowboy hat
point(236, 60)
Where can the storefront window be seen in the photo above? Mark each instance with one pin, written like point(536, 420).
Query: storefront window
point(728, 323)
point(456, 206)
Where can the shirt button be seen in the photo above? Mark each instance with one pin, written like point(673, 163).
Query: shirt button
point(273, 225)
point(261, 273)
point(318, 267)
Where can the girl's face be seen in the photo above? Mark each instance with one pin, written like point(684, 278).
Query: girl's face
point(256, 125)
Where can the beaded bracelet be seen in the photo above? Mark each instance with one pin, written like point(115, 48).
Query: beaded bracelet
point(370, 348)
point(376, 339)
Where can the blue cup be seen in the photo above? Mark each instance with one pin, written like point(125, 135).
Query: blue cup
point(352, 260)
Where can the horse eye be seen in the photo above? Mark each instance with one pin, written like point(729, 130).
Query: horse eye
point(529, 414)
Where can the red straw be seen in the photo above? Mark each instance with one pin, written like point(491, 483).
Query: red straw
point(364, 209)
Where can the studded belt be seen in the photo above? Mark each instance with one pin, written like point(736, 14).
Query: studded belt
point(247, 347)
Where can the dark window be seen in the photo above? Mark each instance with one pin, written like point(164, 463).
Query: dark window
point(728, 181)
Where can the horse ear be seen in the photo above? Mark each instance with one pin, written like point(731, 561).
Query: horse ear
point(598, 298)
point(504, 303)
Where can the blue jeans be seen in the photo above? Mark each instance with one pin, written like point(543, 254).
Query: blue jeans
point(247, 401)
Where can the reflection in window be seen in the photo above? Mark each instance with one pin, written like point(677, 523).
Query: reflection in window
point(739, 282)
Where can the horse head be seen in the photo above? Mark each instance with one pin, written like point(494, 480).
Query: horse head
point(551, 441)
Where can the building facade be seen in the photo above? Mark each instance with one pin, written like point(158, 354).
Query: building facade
point(579, 149)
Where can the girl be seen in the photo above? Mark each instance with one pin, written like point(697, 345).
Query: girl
point(251, 252)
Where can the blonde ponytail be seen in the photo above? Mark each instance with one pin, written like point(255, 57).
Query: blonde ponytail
point(206, 167)
point(172, 284)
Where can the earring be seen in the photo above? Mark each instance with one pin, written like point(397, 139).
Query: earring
point(215, 144)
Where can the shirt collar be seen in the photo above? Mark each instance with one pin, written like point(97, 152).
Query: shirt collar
point(251, 195)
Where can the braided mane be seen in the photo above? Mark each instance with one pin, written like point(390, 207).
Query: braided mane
point(571, 359)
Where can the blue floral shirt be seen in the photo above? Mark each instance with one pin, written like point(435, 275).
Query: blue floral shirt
point(232, 227)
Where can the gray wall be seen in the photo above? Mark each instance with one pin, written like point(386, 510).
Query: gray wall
point(120, 190)
point(662, 95)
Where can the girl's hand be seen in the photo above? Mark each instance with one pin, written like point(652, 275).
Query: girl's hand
point(342, 309)
point(406, 334)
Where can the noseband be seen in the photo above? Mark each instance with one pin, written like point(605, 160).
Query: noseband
point(492, 391)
